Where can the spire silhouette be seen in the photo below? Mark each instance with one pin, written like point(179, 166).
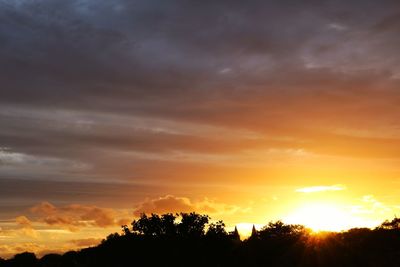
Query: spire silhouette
point(254, 232)
point(235, 234)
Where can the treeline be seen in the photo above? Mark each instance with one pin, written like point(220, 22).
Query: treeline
point(190, 239)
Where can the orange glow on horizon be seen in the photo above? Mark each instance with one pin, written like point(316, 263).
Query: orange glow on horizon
point(330, 217)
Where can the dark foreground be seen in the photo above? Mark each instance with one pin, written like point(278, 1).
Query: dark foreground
point(160, 241)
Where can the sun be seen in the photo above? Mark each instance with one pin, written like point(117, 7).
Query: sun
point(323, 217)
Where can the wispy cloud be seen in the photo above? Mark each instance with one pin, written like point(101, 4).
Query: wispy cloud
point(321, 188)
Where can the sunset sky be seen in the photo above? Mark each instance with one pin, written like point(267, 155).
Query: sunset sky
point(249, 111)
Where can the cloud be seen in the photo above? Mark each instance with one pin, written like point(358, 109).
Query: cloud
point(86, 242)
point(23, 221)
point(80, 115)
point(372, 205)
point(101, 192)
point(142, 74)
point(10, 250)
point(75, 216)
point(322, 188)
point(44, 208)
point(7, 157)
point(374, 210)
point(26, 227)
point(337, 26)
point(170, 203)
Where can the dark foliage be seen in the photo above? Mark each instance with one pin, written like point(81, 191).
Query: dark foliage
point(188, 239)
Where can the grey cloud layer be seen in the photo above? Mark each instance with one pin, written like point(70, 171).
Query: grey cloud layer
point(107, 89)
point(96, 54)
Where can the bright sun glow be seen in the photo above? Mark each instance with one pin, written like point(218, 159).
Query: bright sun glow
point(324, 217)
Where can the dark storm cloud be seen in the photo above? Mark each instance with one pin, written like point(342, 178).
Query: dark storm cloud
point(135, 55)
point(86, 54)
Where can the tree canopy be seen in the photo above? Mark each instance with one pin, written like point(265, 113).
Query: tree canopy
point(192, 239)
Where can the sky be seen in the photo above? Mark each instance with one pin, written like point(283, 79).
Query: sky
point(249, 111)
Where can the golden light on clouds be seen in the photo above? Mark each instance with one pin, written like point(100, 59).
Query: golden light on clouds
point(313, 189)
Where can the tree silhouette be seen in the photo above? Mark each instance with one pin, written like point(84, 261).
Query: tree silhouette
point(216, 230)
point(390, 225)
point(189, 239)
point(25, 259)
point(125, 229)
point(168, 224)
point(50, 260)
point(155, 225)
point(280, 229)
point(192, 224)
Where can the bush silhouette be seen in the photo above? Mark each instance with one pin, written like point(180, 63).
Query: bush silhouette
point(25, 259)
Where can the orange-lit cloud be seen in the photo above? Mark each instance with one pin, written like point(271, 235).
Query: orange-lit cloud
point(170, 203)
point(26, 226)
point(75, 216)
point(23, 221)
point(86, 242)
